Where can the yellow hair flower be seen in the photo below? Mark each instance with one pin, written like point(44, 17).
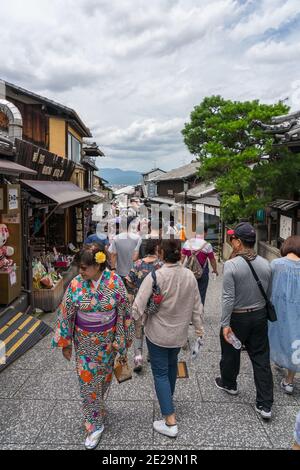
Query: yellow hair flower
point(100, 257)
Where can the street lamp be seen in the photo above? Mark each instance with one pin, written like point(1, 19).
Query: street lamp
point(185, 189)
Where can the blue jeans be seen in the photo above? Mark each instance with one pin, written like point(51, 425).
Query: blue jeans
point(164, 369)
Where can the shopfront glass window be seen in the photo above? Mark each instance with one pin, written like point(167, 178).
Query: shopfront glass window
point(74, 149)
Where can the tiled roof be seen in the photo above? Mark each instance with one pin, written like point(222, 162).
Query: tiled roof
point(179, 173)
point(208, 201)
point(200, 190)
point(69, 111)
point(284, 205)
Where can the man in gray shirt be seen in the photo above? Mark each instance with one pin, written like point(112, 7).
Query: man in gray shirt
point(124, 249)
point(244, 314)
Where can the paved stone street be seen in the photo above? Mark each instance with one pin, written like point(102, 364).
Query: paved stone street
point(40, 403)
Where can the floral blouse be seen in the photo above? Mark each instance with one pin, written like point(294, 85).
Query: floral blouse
point(110, 294)
point(140, 271)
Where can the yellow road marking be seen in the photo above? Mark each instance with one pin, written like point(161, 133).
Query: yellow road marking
point(18, 330)
point(21, 340)
point(11, 322)
point(34, 327)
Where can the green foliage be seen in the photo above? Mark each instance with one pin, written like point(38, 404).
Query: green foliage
point(229, 149)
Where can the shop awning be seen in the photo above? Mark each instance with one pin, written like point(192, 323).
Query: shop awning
point(284, 205)
point(97, 198)
point(11, 168)
point(64, 193)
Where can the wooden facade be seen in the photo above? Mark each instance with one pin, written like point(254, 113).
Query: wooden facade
point(45, 123)
point(47, 164)
point(169, 188)
point(35, 123)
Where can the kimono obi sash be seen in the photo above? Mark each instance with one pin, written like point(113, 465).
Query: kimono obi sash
point(96, 322)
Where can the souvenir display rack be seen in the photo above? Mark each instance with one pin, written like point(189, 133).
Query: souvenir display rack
point(10, 278)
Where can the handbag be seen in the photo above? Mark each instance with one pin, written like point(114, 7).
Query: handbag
point(156, 297)
point(122, 370)
point(271, 312)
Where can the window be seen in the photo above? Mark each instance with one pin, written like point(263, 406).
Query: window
point(74, 149)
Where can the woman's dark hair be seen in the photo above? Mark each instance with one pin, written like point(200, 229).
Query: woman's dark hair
point(88, 253)
point(172, 250)
point(291, 245)
point(150, 246)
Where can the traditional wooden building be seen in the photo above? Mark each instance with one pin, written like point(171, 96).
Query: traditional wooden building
point(46, 197)
point(57, 197)
point(18, 330)
point(179, 192)
point(149, 187)
point(281, 218)
point(176, 181)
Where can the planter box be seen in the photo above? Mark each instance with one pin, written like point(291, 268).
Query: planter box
point(8, 291)
point(49, 299)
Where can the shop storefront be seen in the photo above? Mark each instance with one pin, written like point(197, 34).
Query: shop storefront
point(11, 258)
point(282, 221)
point(56, 226)
point(18, 330)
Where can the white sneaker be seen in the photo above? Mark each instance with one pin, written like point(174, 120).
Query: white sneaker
point(265, 413)
point(93, 439)
point(287, 388)
point(163, 428)
point(138, 363)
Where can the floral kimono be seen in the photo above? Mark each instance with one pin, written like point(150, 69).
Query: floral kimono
point(96, 318)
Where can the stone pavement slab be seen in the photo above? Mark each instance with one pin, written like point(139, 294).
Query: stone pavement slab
point(11, 381)
point(137, 389)
point(50, 385)
point(22, 420)
point(215, 424)
point(279, 428)
point(128, 424)
point(64, 426)
point(43, 358)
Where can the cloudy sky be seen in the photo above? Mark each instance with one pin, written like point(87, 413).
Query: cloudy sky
point(135, 69)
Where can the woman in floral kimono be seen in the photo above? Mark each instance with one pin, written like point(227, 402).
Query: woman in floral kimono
point(95, 316)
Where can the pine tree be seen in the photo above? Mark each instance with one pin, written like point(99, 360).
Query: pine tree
point(230, 150)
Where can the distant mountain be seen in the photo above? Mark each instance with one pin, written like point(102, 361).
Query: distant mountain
point(121, 177)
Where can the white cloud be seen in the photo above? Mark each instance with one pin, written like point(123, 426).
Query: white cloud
point(269, 15)
point(273, 52)
point(135, 70)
